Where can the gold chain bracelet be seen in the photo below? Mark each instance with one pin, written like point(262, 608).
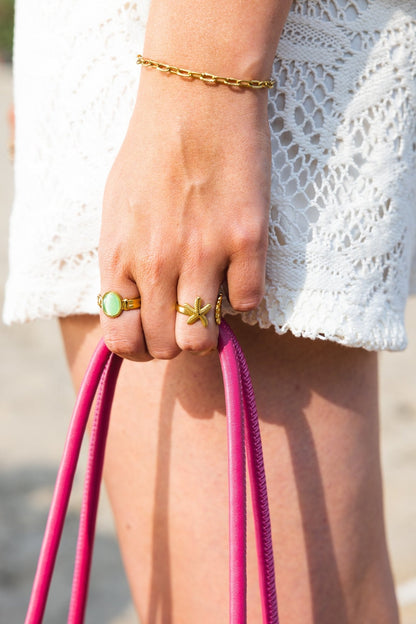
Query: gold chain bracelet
point(205, 77)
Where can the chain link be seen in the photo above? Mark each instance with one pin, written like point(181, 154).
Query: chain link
point(204, 76)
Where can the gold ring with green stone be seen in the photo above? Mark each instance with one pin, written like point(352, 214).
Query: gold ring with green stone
point(112, 304)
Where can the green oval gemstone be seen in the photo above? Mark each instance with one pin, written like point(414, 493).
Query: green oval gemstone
point(112, 305)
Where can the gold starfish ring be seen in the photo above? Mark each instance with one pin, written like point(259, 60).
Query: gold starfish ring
point(195, 313)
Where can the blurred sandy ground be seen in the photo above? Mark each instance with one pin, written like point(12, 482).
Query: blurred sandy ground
point(36, 400)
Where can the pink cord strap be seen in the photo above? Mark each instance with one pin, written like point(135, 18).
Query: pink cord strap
point(239, 396)
point(90, 499)
point(54, 526)
point(242, 422)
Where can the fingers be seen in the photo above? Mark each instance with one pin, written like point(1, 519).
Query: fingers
point(123, 334)
point(158, 290)
point(178, 312)
point(246, 280)
point(196, 329)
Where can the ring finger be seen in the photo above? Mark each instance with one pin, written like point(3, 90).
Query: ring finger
point(196, 329)
point(122, 328)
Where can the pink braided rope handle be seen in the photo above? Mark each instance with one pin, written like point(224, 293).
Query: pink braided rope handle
point(239, 396)
point(241, 413)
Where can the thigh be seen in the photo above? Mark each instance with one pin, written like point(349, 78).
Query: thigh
point(166, 469)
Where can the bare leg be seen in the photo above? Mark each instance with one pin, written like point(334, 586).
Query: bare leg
point(166, 477)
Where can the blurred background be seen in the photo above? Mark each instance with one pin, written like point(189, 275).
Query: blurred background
point(36, 400)
point(6, 29)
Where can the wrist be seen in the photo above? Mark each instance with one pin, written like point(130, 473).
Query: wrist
point(176, 100)
point(236, 65)
point(204, 126)
point(227, 39)
point(206, 77)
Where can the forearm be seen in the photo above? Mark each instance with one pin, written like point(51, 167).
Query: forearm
point(236, 38)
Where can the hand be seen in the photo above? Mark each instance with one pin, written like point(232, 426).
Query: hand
point(185, 208)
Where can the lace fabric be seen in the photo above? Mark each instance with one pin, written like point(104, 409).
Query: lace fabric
point(342, 231)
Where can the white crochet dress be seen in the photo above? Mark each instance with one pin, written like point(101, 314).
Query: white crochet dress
point(342, 253)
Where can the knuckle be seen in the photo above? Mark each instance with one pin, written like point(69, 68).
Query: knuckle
point(111, 260)
point(200, 344)
point(126, 347)
point(165, 353)
point(121, 347)
point(249, 235)
point(202, 252)
point(152, 268)
point(248, 300)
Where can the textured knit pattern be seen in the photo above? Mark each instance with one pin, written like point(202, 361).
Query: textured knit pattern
point(342, 244)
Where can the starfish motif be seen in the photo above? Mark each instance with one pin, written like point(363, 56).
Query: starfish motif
point(197, 313)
